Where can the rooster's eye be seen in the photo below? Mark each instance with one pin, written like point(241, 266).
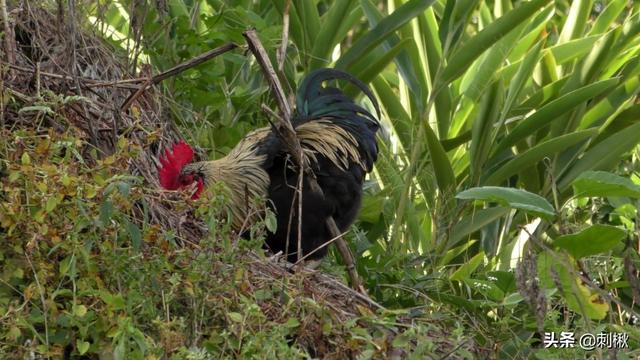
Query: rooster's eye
point(187, 180)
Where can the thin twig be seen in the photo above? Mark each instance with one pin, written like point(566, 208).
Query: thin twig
point(325, 244)
point(177, 70)
point(270, 74)
point(288, 134)
point(9, 38)
point(124, 83)
point(299, 190)
point(41, 293)
point(74, 72)
point(282, 52)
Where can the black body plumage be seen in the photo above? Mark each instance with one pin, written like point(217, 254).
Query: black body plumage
point(338, 137)
point(340, 171)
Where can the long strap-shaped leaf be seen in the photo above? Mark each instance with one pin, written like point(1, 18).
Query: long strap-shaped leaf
point(552, 110)
point(478, 44)
point(386, 27)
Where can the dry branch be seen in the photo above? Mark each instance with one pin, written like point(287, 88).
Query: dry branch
point(286, 131)
point(9, 37)
point(204, 57)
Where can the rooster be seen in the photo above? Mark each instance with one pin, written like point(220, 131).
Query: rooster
point(338, 138)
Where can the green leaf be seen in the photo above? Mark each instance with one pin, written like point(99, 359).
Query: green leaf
point(475, 46)
point(116, 302)
point(537, 153)
point(579, 298)
point(465, 271)
point(486, 288)
point(524, 73)
point(327, 38)
point(134, 235)
point(271, 222)
point(573, 49)
point(482, 128)
point(292, 323)
point(385, 27)
point(549, 112)
point(25, 159)
point(595, 239)
point(235, 317)
point(602, 183)
point(487, 70)
point(52, 203)
point(608, 16)
point(369, 72)
point(82, 346)
point(79, 310)
point(603, 155)
point(514, 198)
point(576, 20)
point(445, 178)
point(474, 222)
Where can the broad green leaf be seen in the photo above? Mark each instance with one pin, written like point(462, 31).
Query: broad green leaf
point(603, 184)
point(608, 16)
point(271, 222)
point(573, 49)
point(53, 202)
point(369, 72)
point(474, 222)
point(549, 112)
point(134, 235)
point(445, 178)
point(578, 297)
point(79, 310)
point(82, 346)
point(534, 34)
point(464, 272)
point(235, 317)
point(486, 72)
point(396, 113)
point(542, 96)
point(537, 153)
point(481, 131)
point(453, 253)
point(476, 45)
point(328, 36)
point(595, 239)
point(603, 155)
point(520, 79)
point(387, 26)
point(513, 198)
point(612, 104)
point(308, 12)
point(576, 21)
point(407, 62)
point(486, 288)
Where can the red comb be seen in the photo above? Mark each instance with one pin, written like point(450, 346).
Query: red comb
point(172, 163)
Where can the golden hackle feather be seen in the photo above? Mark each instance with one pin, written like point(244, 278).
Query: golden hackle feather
point(331, 140)
point(242, 172)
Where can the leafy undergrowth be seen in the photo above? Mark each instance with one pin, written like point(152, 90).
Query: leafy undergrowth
point(82, 276)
